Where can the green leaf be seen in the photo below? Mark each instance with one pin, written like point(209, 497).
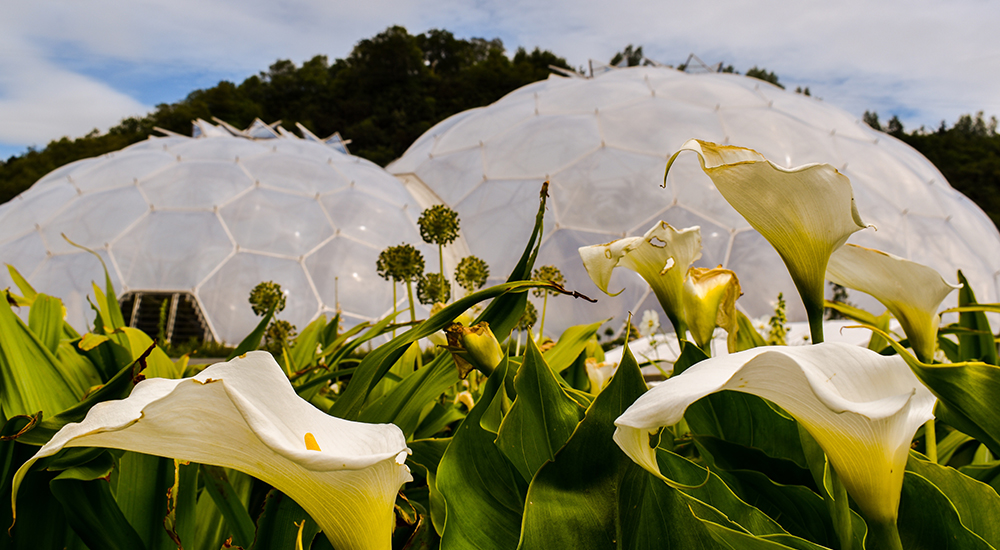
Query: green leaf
point(304, 350)
point(541, 419)
point(45, 319)
point(181, 521)
point(977, 504)
point(229, 503)
point(570, 345)
point(41, 520)
point(975, 347)
point(30, 378)
point(403, 404)
point(141, 483)
point(928, 520)
point(277, 525)
point(483, 491)
point(747, 336)
point(252, 341)
point(427, 453)
point(158, 364)
point(573, 501)
point(91, 509)
point(22, 284)
point(212, 529)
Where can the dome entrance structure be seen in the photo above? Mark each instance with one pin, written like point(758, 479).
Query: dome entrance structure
point(603, 143)
point(175, 316)
point(210, 217)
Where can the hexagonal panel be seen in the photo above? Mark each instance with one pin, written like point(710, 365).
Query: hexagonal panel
point(270, 221)
point(158, 252)
point(541, 146)
point(369, 219)
point(343, 274)
point(295, 174)
point(94, 220)
point(196, 185)
point(225, 294)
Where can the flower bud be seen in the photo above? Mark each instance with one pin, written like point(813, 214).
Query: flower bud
point(474, 347)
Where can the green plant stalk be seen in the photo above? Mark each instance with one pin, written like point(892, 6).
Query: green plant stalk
point(541, 325)
point(815, 313)
point(394, 305)
point(441, 257)
point(883, 536)
point(409, 295)
point(930, 440)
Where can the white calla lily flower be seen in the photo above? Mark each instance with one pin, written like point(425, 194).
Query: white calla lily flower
point(662, 257)
point(861, 407)
point(710, 301)
point(805, 212)
point(912, 292)
point(245, 415)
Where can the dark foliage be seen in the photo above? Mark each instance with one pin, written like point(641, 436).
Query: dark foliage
point(389, 90)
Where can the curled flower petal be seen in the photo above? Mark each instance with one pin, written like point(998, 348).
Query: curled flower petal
point(861, 407)
point(912, 292)
point(245, 415)
point(805, 212)
point(710, 301)
point(662, 257)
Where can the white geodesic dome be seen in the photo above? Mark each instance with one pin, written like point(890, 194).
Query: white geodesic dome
point(603, 142)
point(213, 216)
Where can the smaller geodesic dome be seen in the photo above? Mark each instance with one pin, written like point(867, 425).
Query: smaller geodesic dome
point(603, 144)
point(211, 216)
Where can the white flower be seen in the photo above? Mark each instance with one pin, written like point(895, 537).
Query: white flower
point(650, 323)
point(710, 301)
point(861, 407)
point(912, 292)
point(662, 257)
point(805, 212)
point(245, 415)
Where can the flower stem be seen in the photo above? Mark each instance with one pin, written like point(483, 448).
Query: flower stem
point(409, 294)
point(815, 323)
point(930, 440)
point(394, 308)
point(541, 326)
point(883, 536)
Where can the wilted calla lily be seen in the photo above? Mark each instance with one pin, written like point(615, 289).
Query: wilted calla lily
point(661, 256)
point(861, 407)
point(245, 415)
point(710, 301)
point(805, 212)
point(912, 292)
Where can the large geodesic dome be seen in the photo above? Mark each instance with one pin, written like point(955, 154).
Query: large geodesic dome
point(603, 143)
point(211, 216)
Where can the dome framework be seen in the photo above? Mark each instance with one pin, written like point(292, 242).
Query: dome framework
point(212, 216)
point(603, 143)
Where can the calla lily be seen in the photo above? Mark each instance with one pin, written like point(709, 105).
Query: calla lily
point(662, 257)
point(710, 301)
point(245, 415)
point(805, 212)
point(912, 292)
point(861, 407)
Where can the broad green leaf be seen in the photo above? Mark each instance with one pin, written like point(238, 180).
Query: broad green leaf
point(377, 363)
point(41, 520)
point(928, 520)
point(541, 419)
point(228, 501)
point(278, 526)
point(967, 395)
point(91, 509)
point(118, 387)
point(23, 285)
point(141, 483)
point(437, 418)
point(403, 404)
point(304, 351)
point(977, 504)
point(158, 364)
point(181, 521)
point(573, 501)
point(747, 336)
point(107, 356)
point(252, 341)
point(212, 529)
point(570, 345)
point(109, 314)
point(30, 378)
point(77, 369)
point(975, 347)
point(849, 532)
point(427, 454)
point(483, 491)
point(45, 319)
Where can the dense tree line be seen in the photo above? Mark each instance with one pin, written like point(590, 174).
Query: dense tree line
point(967, 153)
point(385, 94)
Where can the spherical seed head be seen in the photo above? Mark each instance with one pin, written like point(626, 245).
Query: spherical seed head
point(264, 295)
point(433, 288)
point(471, 273)
point(400, 263)
point(549, 273)
point(438, 225)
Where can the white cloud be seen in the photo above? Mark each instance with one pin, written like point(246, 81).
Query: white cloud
point(926, 60)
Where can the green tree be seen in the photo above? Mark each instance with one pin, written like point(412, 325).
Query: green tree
point(764, 75)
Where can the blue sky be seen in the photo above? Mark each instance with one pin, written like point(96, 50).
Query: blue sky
point(69, 67)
